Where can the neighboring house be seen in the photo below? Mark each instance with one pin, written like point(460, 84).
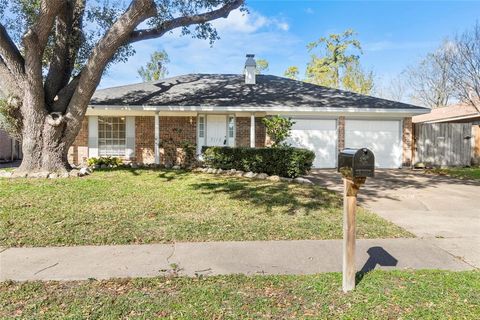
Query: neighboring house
point(10, 149)
point(455, 115)
point(150, 122)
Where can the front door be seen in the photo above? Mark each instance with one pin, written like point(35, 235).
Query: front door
point(216, 130)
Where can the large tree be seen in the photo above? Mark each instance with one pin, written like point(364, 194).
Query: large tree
point(430, 81)
point(335, 63)
point(53, 54)
point(464, 58)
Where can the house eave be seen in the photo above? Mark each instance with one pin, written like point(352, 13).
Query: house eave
point(450, 119)
point(269, 110)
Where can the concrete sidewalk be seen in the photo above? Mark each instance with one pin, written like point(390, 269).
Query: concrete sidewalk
point(214, 258)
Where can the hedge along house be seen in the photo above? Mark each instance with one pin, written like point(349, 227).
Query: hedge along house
point(153, 122)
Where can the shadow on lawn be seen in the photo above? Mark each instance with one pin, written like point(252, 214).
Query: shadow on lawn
point(293, 199)
point(164, 174)
point(377, 255)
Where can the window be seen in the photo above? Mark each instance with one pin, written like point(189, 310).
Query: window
point(201, 126)
point(231, 126)
point(111, 136)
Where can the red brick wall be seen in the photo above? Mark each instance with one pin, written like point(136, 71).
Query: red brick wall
point(341, 133)
point(407, 137)
point(242, 138)
point(260, 133)
point(174, 132)
point(78, 152)
point(243, 133)
point(145, 139)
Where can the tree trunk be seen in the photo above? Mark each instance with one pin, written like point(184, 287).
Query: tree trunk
point(45, 142)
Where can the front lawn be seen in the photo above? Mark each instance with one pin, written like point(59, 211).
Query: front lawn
point(147, 206)
point(379, 295)
point(472, 173)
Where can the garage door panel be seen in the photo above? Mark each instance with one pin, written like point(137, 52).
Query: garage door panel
point(381, 136)
point(317, 135)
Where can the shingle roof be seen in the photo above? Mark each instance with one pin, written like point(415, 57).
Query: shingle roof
point(230, 90)
point(450, 113)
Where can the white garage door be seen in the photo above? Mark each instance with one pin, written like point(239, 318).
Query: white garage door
point(319, 136)
point(382, 137)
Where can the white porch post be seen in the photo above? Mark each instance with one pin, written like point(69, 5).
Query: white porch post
point(157, 138)
point(252, 131)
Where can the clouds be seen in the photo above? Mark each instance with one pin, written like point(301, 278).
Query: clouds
point(240, 33)
point(309, 11)
point(244, 22)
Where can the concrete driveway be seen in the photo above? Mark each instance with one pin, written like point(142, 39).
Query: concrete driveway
point(443, 210)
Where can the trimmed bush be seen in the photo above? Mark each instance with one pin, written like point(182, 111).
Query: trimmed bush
point(282, 161)
point(108, 161)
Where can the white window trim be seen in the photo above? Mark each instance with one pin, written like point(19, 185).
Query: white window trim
point(201, 143)
point(124, 155)
point(231, 139)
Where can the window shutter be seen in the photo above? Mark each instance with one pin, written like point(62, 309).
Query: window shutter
point(130, 138)
point(92, 136)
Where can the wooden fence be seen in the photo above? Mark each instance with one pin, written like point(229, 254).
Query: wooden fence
point(443, 144)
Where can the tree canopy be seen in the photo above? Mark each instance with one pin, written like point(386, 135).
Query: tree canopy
point(53, 54)
point(156, 68)
point(335, 63)
point(262, 66)
point(292, 72)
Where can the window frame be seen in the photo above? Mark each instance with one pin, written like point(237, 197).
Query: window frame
point(112, 136)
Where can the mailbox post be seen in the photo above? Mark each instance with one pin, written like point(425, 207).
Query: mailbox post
point(355, 165)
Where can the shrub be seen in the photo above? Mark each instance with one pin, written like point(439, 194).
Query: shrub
point(108, 161)
point(282, 161)
point(278, 129)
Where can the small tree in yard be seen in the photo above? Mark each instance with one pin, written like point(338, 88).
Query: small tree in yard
point(53, 54)
point(278, 129)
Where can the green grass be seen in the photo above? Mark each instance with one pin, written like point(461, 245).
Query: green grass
point(147, 206)
point(472, 173)
point(380, 295)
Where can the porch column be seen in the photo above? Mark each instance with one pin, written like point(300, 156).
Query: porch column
point(252, 131)
point(157, 138)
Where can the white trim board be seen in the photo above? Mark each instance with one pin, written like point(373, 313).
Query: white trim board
point(269, 110)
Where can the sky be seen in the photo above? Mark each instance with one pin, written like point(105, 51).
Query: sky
point(393, 34)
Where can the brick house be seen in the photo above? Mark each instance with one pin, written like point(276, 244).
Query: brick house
point(152, 122)
point(10, 149)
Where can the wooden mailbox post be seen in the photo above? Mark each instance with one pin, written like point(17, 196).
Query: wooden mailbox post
point(355, 165)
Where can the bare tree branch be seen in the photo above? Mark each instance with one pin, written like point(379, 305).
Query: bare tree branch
point(430, 81)
point(186, 21)
point(11, 56)
point(42, 27)
point(67, 43)
point(465, 60)
point(116, 36)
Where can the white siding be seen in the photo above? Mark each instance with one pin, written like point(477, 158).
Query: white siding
point(130, 138)
point(382, 137)
point(92, 136)
point(318, 135)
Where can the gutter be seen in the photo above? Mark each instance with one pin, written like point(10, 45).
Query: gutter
point(258, 109)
